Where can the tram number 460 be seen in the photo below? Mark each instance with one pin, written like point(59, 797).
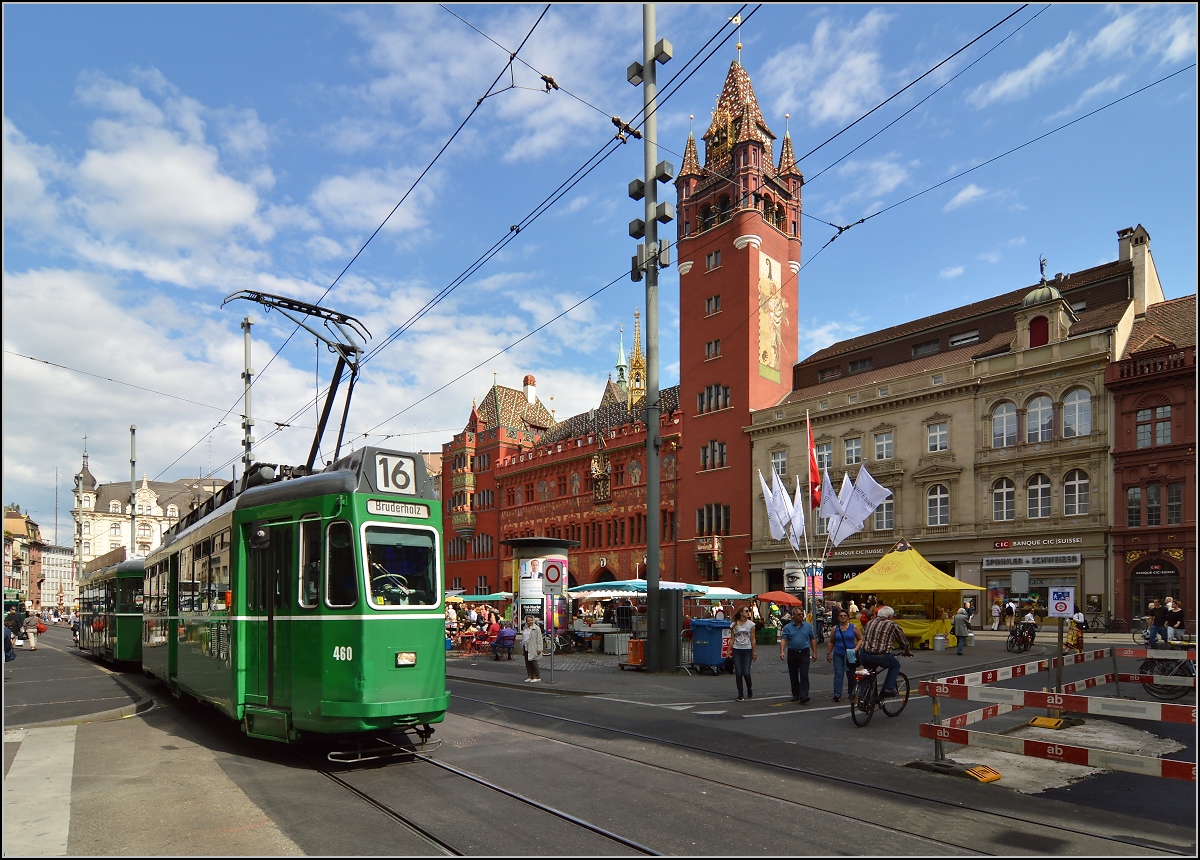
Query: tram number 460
point(343, 652)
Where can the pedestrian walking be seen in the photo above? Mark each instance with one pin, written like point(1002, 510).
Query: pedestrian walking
point(10, 651)
point(745, 652)
point(31, 630)
point(842, 652)
point(962, 626)
point(1074, 640)
point(819, 621)
point(798, 645)
point(1175, 628)
point(995, 614)
point(1010, 615)
point(531, 644)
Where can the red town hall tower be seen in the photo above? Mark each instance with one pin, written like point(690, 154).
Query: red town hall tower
point(739, 256)
point(517, 471)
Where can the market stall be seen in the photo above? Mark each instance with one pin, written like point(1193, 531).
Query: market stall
point(924, 598)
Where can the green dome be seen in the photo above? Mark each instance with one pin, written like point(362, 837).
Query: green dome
point(1041, 295)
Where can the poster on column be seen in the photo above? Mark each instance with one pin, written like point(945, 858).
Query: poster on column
point(541, 585)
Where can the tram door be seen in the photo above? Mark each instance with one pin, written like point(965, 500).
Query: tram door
point(268, 604)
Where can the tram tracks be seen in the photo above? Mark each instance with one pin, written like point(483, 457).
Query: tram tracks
point(445, 847)
point(1014, 822)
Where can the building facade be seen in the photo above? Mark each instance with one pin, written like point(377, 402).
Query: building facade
point(517, 471)
point(59, 588)
point(23, 546)
point(990, 423)
point(1153, 386)
point(102, 511)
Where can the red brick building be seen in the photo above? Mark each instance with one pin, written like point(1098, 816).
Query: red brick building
point(1153, 385)
point(515, 471)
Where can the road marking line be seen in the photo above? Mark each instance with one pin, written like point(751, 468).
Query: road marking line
point(37, 794)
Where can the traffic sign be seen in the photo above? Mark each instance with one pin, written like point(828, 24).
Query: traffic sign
point(554, 579)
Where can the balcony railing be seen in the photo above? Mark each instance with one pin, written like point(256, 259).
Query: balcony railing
point(1159, 361)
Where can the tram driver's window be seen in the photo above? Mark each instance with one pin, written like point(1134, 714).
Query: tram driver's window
point(402, 567)
point(341, 583)
point(310, 562)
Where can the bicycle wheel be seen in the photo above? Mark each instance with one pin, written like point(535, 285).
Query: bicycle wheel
point(565, 644)
point(1138, 630)
point(1012, 643)
point(862, 703)
point(893, 707)
point(1116, 625)
point(1173, 668)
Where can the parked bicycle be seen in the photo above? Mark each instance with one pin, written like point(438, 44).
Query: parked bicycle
point(1021, 638)
point(865, 696)
point(563, 643)
point(1170, 668)
point(1107, 624)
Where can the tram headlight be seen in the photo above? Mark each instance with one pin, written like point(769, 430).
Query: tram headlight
point(406, 658)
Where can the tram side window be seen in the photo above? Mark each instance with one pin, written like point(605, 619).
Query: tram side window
point(202, 566)
point(341, 581)
point(310, 562)
point(218, 571)
point(187, 585)
point(128, 593)
point(402, 566)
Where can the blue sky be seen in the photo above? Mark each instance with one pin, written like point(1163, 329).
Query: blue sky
point(159, 158)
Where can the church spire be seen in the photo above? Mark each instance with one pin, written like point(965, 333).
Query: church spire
point(621, 365)
point(637, 366)
point(787, 156)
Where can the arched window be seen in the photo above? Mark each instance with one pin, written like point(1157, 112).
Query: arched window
point(938, 506)
point(1039, 419)
point(114, 507)
point(1075, 493)
point(723, 207)
point(1039, 497)
point(708, 218)
point(172, 511)
point(1077, 413)
point(114, 530)
point(1004, 500)
point(1039, 331)
point(1004, 426)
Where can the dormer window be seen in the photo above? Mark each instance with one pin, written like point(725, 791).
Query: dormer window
point(1039, 331)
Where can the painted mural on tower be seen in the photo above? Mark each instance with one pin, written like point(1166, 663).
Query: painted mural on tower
point(772, 316)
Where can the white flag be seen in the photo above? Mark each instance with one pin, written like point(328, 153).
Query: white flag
point(776, 523)
point(844, 526)
point(783, 502)
point(830, 507)
point(797, 517)
point(866, 496)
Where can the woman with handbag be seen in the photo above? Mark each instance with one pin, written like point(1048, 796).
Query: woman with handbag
point(33, 626)
point(842, 652)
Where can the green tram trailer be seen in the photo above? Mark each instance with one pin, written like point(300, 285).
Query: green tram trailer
point(110, 617)
point(308, 605)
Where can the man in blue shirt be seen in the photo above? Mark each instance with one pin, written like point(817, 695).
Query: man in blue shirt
point(799, 642)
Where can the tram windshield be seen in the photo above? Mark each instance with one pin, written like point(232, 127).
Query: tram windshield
point(402, 566)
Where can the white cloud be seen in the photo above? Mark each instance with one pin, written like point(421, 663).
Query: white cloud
point(990, 257)
point(1180, 36)
point(1117, 37)
point(27, 203)
point(952, 272)
point(1021, 83)
point(834, 77)
point(969, 194)
point(1108, 85)
point(362, 200)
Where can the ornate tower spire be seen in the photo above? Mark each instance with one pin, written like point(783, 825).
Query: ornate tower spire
point(637, 366)
point(787, 157)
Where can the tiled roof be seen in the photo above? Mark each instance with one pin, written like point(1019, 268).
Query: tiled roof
point(1089, 320)
point(608, 416)
point(787, 159)
point(508, 407)
point(1169, 323)
point(691, 160)
point(180, 493)
point(738, 103)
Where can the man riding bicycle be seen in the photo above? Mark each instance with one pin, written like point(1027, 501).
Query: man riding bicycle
point(881, 631)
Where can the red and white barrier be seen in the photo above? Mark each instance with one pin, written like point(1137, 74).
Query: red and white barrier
point(974, 687)
point(1104, 759)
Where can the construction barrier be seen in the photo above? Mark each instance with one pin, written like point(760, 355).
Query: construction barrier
point(974, 687)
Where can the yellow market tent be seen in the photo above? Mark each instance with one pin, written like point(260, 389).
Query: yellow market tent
point(924, 598)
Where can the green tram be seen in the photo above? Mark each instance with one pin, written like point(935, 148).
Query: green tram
point(110, 612)
point(307, 605)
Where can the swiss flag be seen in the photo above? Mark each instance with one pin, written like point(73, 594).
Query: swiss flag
point(814, 474)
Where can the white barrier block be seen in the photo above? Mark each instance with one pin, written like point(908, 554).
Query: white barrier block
point(1125, 762)
point(1124, 708)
